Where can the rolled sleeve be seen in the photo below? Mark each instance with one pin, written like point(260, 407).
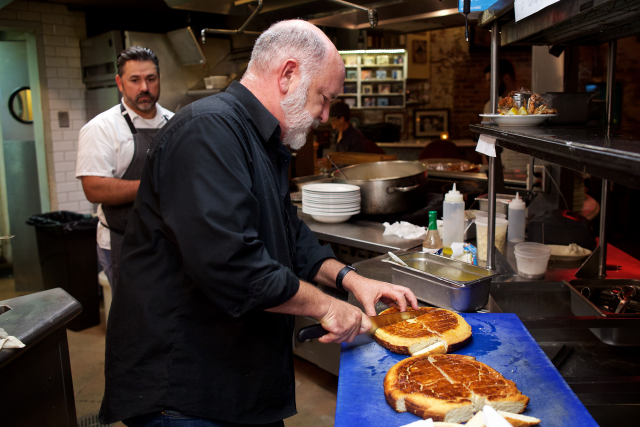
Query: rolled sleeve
point(309, 253)
point(207, 202)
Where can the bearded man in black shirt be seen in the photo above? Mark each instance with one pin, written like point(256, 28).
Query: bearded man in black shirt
point(215, 262)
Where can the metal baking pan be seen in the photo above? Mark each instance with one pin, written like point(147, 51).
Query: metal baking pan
point(443, 282)
point(583, 306)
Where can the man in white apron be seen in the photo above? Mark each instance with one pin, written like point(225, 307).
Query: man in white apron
point(113, 147)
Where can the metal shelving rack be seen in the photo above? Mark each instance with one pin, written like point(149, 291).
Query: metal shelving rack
point(605, 152)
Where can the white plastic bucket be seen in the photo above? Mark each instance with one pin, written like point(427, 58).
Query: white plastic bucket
point(106, 293)
point(532, 259)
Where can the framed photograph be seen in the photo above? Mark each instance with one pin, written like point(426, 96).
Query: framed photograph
point(351, 102)
point(369, 102)
point(369, 60)
point(381, 74)
point(383, 101)
point(366, 74)
point(384, 88)
point(382, 60)
point(352, 75)
point(428, 123)
point(367, 89)
point(419, 51)
point(395, 118)
point(396, 74)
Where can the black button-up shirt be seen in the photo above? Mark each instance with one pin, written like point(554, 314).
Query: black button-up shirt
point(352, 140)
point(212, 241)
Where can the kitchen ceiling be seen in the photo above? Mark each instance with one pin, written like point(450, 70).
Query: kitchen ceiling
point(403, 16)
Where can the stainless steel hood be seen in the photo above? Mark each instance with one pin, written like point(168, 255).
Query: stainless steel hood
point(402, 16)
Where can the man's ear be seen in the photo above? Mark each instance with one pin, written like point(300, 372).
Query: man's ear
point(285, 76)
point(119, 82)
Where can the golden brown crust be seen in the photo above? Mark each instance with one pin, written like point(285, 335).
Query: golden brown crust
point(448, 387)
point(435, 326)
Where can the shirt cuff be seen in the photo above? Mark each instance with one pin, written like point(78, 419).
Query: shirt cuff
point(315, 262)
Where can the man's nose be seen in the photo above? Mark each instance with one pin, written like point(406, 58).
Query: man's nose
point(144, 87)
point(324, 115)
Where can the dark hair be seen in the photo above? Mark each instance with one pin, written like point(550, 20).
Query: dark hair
point(136, 53)
point(505, 67)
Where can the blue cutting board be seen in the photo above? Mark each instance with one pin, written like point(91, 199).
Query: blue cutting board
point(499, 340)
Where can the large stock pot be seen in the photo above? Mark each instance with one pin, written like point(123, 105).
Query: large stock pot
point(387, 187)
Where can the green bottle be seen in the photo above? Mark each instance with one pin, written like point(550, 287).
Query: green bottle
point(432, 243)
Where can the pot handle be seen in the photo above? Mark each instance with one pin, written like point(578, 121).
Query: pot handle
point(401, 189)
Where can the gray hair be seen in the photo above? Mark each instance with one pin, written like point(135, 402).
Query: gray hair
point(137, 53)
point(285, 40)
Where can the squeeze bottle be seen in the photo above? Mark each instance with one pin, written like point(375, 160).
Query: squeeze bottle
point(453, 218)
point(517, 211)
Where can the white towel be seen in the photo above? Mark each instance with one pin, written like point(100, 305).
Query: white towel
point(7, 341)
point(404, 229)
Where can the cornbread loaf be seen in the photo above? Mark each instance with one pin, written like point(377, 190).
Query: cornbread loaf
point(516, 420)
point(449, 388)
point(437, 331)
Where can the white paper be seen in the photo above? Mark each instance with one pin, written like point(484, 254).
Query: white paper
point(524, 8)
point(486, 145)
point(421, 423)
point(7, 341)
point(492, 418)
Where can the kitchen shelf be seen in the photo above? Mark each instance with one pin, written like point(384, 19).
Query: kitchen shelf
point(613, 155)
point(568, 22)
point(359, 81)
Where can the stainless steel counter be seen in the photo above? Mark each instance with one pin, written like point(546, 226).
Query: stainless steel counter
point(358, 234)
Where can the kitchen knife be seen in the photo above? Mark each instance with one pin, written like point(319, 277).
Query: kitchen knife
point(317, 331)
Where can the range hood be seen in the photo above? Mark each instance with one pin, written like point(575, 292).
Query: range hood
point(401, 16)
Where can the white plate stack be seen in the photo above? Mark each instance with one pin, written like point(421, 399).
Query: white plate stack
point(332, 203)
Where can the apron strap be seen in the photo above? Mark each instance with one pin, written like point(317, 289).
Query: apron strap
point(125, 114)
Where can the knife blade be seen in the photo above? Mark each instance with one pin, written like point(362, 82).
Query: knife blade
point(317, 331)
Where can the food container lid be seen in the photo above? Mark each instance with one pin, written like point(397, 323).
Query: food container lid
point(532, 250)
point(517, 203)
point(484, 221)
point(453, 195)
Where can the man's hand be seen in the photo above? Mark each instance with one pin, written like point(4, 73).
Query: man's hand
point(344, 322)
point(369, 292)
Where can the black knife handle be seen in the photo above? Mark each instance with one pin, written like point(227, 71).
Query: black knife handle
point(311, 332)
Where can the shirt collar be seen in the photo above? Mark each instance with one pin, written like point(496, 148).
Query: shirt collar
point(266, 122)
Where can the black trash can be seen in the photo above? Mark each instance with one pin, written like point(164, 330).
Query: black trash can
point(68, 257)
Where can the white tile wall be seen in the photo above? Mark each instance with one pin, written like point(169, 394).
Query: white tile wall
point(63, 30)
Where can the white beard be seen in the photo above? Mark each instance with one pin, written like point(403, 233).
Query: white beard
point(298, 121)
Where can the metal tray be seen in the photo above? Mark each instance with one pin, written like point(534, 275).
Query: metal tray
point(443, 282)
point(582, 306)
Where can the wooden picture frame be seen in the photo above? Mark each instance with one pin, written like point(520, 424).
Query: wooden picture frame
point(430, 123)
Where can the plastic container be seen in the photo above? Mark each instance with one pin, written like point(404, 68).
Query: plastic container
point(532, 259)
point(106, 294)
point(482, 230)
point(466, 235)
point(517, 218)
point(453, 217)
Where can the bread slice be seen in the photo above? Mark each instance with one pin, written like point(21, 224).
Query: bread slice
point(516, 420)
point(437, 331)
point(449, 388)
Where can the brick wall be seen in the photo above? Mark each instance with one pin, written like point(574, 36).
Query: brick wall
point(61, 33)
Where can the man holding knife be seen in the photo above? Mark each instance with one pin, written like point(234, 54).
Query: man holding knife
point(215, 261)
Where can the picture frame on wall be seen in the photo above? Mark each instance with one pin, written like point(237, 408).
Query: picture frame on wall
point(429, 123)
point(369, 102)
point(383, 101)
point(396, 119)
point(366, 74)
point(352, 75)
point(367, 89)
point(381, 74)
point(384, 88)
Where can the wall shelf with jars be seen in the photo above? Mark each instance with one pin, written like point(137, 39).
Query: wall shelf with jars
point(375, 78)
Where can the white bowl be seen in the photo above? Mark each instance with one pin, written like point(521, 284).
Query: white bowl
point(323, 188)
point(331, 219)
point(529, 120)
point(315, 211)
point(570, 252)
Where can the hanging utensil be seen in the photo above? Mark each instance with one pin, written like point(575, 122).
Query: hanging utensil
point(336, 166)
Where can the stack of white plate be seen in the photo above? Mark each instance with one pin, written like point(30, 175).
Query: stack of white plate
point(332, 203)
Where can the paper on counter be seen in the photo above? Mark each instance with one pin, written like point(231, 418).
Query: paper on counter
point(524, 8)
point(7, 341)
point(404, 229)
point(486, 145)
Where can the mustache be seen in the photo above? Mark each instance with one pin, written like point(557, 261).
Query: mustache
point(145, 94)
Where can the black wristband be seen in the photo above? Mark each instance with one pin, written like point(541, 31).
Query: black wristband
point(341, 275)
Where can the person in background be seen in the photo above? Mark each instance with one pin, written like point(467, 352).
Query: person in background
point(347, 138)
point(113, 147)
point(216, 262)
point(506, 84)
